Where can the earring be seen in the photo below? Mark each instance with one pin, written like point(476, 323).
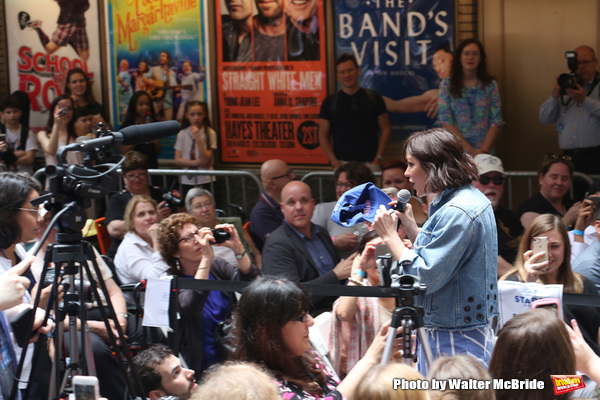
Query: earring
point(178, 263)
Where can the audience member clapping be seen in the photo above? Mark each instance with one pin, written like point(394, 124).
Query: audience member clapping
point(138, 256)
point(188, 251)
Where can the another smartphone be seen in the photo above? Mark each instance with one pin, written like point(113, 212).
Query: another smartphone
point(540, 243)
point(550, 303)
point(86, 387)
point(2, 137)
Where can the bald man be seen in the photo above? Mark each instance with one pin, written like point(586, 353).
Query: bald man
point(576, 112)
point(266, 215)
point(302, 250)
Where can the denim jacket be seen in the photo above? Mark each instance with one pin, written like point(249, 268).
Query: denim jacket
point(456, 256)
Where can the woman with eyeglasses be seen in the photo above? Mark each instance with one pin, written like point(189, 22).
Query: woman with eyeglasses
point(188, 250)
point(555, 179)
point(469, 101)
point(139, 256)
point(20, 224)
point(201, 204)
point(135, 179)
point(270, 328)
point(556, 270)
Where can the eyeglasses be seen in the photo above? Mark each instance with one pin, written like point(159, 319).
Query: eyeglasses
point(132, 177)
point(189, 237)
point(344, 185)
point(555, 156)
point(34, 211)
point(585, 61)
point(208, 204)
point(301, 318)
point(484, 180)
point(286, 175)
point(471, 53)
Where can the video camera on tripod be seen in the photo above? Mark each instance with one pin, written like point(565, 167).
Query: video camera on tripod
point(71, 189)
point(408, 314)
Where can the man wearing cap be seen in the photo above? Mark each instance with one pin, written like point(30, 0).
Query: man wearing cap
point(510, 230)
point(266, 215)
point(302, 250)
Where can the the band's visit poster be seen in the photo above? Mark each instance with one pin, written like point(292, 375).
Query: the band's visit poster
point(394, 42)
point(157, 47)
point(271, 79)
point(47, 38)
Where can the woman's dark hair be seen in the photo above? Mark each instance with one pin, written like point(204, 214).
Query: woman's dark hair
point(393, 164)
point(71, 125)
point(356, 172)
point(132, 109)
point(88, 95)
point(134, 160)
point(553, 158)
point(366, 239)
point(185, 122)
point(532, 345)
point(456, 75)
point(443, 158)
point(266, 305)
point(14, 189)
point(168, 238)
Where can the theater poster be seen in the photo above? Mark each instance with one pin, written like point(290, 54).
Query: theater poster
point(394, 42)
point(271, 80)
point(158, 47)
point(46, 38)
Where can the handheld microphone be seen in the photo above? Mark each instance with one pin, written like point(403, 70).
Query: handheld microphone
point(403, 198)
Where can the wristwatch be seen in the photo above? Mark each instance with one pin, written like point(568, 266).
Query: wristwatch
point(240, 256)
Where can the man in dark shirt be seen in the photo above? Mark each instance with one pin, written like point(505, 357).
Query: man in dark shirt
point(302, 250)
point(266, 215)
point(510, 230)
point(353, 116)
point(237, 38)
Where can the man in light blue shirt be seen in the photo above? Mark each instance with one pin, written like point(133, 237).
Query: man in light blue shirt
point(576, 112)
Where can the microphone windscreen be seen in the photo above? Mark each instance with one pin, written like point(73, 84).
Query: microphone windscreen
point(136, 134)
point(403, 196)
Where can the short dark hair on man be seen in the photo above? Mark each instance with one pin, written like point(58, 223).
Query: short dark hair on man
point(134, 160)
point(345, 57)
point(356, 172)
point(146, 365)
point(443, 158)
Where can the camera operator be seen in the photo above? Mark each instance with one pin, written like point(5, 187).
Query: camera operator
point(455, 252)
point(576, 112)
point(135, 178)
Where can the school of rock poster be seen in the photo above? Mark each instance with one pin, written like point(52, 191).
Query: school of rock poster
point(270, 80)
point(159, 47)
point(41, 50)
point(394, 42)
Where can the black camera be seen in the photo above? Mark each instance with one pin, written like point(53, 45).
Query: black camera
point(172, 201)
point(220, 235)
point(570, 80)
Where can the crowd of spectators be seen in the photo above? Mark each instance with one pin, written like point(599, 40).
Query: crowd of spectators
point(455, 236)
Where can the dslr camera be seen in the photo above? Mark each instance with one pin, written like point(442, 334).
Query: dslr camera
point(570, 80)
point(172, 201)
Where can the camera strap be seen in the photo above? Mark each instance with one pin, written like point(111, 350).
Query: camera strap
point(591, 89)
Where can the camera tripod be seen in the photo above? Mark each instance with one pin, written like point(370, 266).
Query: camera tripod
point(406, 315)
point(72, 256)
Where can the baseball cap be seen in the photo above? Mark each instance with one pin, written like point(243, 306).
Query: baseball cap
point(359, 204)
point(488, 163)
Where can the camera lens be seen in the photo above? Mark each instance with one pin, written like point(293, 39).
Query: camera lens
point(220, 235)
point(566, 81)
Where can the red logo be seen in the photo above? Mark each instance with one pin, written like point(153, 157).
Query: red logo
point(566, 383)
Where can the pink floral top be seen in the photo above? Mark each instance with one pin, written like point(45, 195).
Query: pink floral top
point(290, 391)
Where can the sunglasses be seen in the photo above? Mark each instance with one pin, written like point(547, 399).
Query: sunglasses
point(484, 180)
point(301, 318)
point(555, 156)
